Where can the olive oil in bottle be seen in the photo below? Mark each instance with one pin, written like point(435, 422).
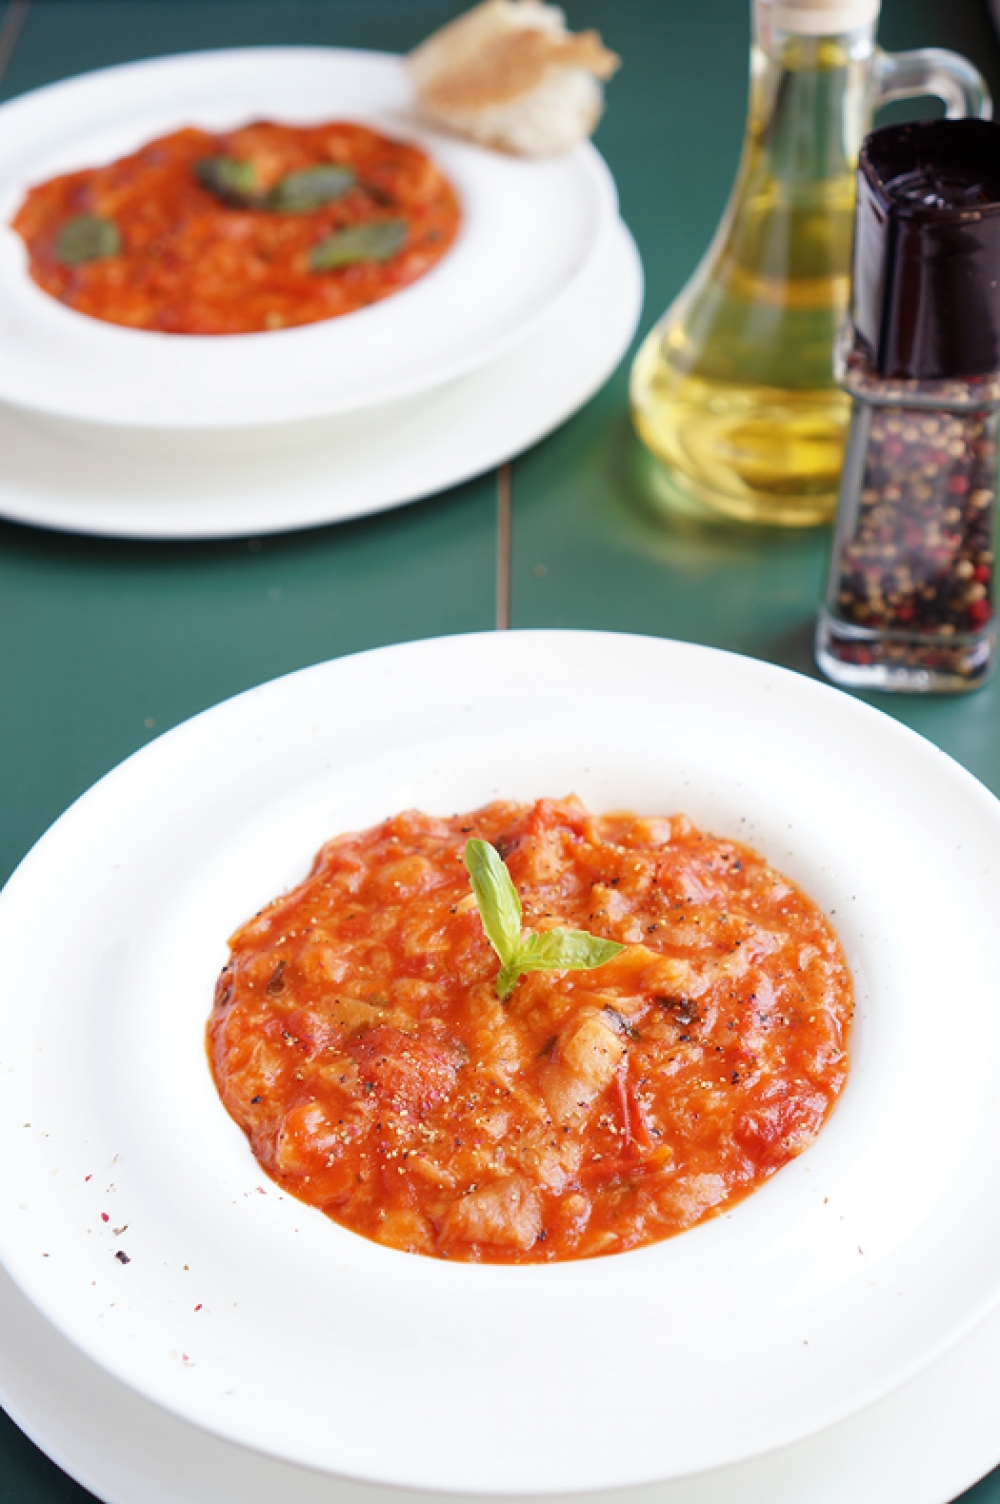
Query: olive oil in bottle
point(734, 388)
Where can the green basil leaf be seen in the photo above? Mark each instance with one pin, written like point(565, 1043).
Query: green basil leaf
point(500, 911)
point(230, 179)
point(496, 897)
point(301, 192)
point(88, 237)
point(564, 950)
point(378, 240)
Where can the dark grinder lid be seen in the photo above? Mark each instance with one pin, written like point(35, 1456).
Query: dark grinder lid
point(926, 296)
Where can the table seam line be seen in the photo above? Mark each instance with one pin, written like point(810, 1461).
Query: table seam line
point(504, 495)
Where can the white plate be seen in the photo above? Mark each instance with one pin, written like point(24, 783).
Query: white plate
point(529, 231)
point(130, 483)
point(255, 1317)
point(924, 1444)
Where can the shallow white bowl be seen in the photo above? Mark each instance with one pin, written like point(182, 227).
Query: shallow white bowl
point(530, 229)
point(216, 483)
point(255, 1317)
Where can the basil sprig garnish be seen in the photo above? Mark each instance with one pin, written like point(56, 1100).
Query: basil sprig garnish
point(87, 237)
point(378, 240)
point(234, 181)
point(500, 910)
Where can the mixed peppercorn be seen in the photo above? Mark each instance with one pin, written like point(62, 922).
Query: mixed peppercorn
point(911, 591)
point(921, 555)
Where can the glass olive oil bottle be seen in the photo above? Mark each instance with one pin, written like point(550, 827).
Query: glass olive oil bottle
point(734, 388)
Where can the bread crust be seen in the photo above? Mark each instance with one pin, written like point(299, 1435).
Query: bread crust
point(508, 73)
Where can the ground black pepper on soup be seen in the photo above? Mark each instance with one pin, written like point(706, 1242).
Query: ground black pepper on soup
point(359, 1040)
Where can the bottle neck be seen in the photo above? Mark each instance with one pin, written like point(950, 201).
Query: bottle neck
point(810, 98)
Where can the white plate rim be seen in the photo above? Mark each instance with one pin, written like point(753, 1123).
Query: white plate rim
point(191, 377)
point(126, 1451)
point(698, 674)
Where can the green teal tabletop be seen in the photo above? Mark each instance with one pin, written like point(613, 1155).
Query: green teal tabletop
point(107, 643)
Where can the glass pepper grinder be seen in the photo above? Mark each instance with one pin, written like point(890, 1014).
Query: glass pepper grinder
point(910, 596)
point(733, 390)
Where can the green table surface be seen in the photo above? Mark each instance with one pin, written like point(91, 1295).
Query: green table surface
point(106, 644)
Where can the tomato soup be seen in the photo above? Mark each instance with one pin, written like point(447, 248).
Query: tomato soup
point(255, 229)
point(358, 1039)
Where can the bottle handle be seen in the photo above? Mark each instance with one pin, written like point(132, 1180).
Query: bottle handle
point(933, 70)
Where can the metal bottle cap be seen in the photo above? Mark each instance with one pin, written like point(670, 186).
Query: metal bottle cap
point(926, 296)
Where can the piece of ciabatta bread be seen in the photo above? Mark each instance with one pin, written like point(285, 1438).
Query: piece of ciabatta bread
point(510, 75)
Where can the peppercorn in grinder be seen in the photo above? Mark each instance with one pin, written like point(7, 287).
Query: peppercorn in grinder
point(910, 595)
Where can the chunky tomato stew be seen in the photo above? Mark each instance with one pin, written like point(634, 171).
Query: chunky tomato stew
point(258, 228)
point(358, 1039)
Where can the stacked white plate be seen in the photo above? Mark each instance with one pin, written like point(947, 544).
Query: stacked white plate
point(178, 1331)
point(138, 434)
